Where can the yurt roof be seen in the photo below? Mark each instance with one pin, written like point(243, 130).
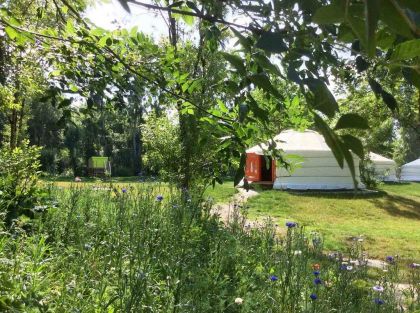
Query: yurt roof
point(293, 140)
point(415, 163)
point(377, 158)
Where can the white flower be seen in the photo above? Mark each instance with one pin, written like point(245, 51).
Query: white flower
point(349, 268)
point(378, 288)
point(239, 301)
point(297, 252)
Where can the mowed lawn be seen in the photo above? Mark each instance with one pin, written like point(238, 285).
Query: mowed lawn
point(389, 220)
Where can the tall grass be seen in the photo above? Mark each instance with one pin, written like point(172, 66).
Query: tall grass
point(131, 251)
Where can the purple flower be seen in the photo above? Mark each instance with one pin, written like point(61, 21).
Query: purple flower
point(317, 281)
point(343, 267)
point(390, 259)
point(378, 288)
point(274, 278)
point(124, 190)
point(414, 265)
point(159, 198)
point(316, 273)
point(379, 301)
point(291, 224)
point(313, 296)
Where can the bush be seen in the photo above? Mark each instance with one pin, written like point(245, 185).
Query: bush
point(19, 173)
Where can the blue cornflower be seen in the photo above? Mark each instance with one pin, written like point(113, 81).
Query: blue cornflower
point(159, 198)
point(124, 190)
point(379, 301)
point(274, 278)
point(343, 267)
point(313, 296)
point(291, 224)
point(316, 273)
point(390, 259)
point(317, 281)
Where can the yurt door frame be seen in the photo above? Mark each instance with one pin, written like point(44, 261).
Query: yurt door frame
point(255, 165)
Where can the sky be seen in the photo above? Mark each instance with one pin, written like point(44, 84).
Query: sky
point(111, 15)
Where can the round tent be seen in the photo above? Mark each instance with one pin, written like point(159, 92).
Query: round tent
point(411, 171)
point(312, 164)
point(384, 167)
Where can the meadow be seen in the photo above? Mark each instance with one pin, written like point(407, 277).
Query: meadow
point(148, 248)
point(388, 221)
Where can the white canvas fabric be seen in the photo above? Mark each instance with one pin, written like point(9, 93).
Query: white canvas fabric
point(385, 169)
point(313, 165)
point(411, 171)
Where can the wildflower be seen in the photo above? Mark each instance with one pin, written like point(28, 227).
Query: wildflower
point(77, 179)
point(379, 301)
point(316, 273)
point(313, 296)
point(349, 268)
point(124, 190)
point(378, 288)
point(317, 281)
point(414, 265)
point(343, 267)
point(291, 224)
point(297, 252)
point(159, 198)
point(390, 259)
point(316, 266)
point(87, 247)
point(274, 278)
point(239, 301)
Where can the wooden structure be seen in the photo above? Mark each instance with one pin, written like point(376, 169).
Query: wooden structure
point(99, 166)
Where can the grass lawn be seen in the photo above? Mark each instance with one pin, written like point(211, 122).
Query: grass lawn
point(389, 221)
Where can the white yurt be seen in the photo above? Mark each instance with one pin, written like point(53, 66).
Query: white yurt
point(313, 165)
point(411, 171)
point(385, 169)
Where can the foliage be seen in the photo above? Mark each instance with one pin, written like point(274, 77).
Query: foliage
point(125, 250)
point(19, 173)
point(162, 147)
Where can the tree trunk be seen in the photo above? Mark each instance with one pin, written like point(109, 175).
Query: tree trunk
point(13, 120)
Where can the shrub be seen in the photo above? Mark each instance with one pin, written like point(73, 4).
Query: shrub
point(19, 172)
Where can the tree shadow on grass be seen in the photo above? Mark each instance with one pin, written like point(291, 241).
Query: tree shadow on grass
point(399, 206)
point(341, 194)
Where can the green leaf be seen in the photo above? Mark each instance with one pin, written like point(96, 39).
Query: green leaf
point(361, 64)
point(406, 50)
point(266, 64)
point(323, 99)
point(385, 39)
point(272, 42)
point(371, 16)
point(262, 81)
point(390, 16)
point(11, 32)
point(351, 120)
point(70, 27)
point(235, 61)
point(412, 76)
point(354, 144)
point(375, 86)
point(389, 100)
point(245, 42)
point(102, 41)
point(329, 14)
point(330, 138)
point(350, 163)
point(241, 170)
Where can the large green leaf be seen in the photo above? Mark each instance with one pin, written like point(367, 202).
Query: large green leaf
point(371, 15)
point(329, 14)
point(266, 64)
point(354, 144)
point(407, 50)
point(389, 100)
point(390, 16)
point(412, 76)
point(240, 172)
point(330, 138)
point(11, 32)
point(262, 81)
point(323, 100)
point(272, 42)
point(351, 120)
point(236, 62)
point(350, 163)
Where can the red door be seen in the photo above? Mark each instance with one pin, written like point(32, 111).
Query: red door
point(253, 167)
